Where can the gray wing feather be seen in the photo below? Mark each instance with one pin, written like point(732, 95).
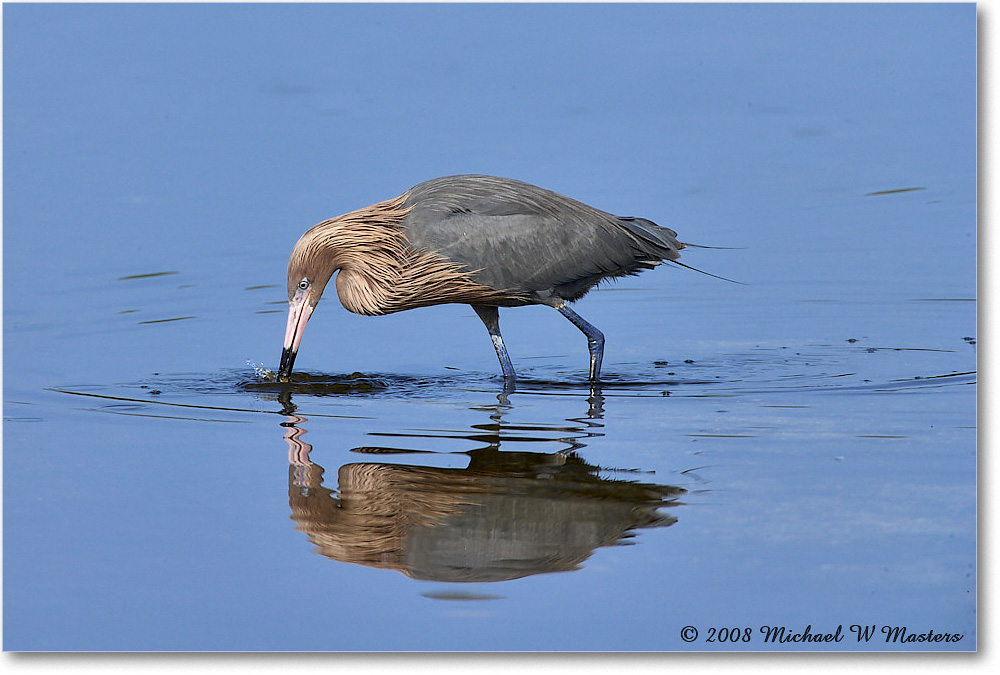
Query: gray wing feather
point(519, 237)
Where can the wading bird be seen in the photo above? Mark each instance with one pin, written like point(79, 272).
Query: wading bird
point(480, 240)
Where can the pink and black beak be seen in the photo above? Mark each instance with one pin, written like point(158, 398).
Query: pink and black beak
point(299, 311)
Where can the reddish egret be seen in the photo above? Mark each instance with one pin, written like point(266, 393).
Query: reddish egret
point(485, 241)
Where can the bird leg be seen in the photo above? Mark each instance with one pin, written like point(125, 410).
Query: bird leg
point(595, 340)
point(491, 317)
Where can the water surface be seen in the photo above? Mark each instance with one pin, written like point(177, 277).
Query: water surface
point(796, 451)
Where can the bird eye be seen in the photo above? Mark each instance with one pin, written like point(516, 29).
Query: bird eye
point(304, 284)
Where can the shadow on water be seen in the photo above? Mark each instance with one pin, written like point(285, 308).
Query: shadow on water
point(506, 515)
point(848, 368)
point(818, 368)
point(391, 385)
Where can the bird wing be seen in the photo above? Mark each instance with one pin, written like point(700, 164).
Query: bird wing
point(519, 237)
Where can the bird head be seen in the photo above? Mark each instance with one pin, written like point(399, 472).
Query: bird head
point(309, 271)
point(346, 242)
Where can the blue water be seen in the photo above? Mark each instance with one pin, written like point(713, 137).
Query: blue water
point(796, 451)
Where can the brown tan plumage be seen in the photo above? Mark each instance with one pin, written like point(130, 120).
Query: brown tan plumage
point(380, 271)
point(480, 240)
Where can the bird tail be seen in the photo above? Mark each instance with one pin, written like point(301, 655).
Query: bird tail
point(695, 269)
point(661, 241)
point(664, 243)
point(686, 244)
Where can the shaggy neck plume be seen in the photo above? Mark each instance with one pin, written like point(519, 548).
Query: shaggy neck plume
point(380, 272)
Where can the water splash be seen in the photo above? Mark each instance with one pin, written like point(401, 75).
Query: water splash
point(262, 373)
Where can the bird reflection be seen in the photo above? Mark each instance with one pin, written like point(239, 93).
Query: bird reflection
point(505, 516)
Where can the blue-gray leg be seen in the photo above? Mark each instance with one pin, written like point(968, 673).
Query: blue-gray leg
point(491, 317)
point(595, 341)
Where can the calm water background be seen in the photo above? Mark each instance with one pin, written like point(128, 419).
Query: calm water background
point(800, 450)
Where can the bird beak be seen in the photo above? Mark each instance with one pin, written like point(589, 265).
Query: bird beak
point(299, 312)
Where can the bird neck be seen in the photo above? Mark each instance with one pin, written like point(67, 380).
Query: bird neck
point(367, 246)
point(379, 271)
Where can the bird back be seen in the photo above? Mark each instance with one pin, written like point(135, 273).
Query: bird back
point(518, 237)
